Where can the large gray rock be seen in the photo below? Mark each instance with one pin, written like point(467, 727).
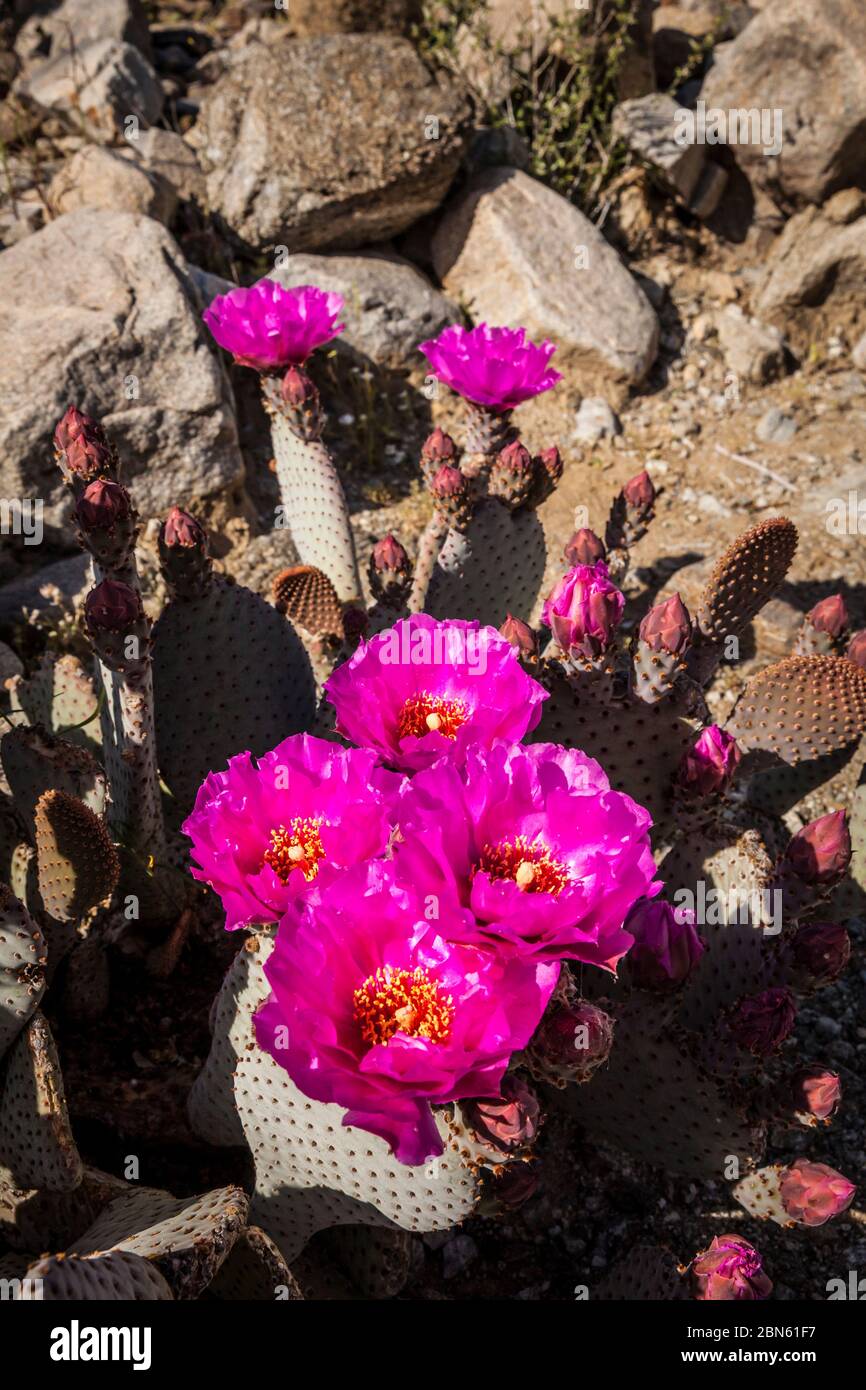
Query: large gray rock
point(55, 26)
point(389, 306)
point(96, 177)
point(106, 86)
point(99, 310)
point(329, 143)
point(813, 278)
point(809, 62)
point(519, 254)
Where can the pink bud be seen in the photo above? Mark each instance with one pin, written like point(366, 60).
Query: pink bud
point(298, 388)
point(181, 529)
point(812, 1193)
point(389, 556)
point(730, 1269)
point(821, 851)
point(857, 648)
point(572, 1040)
point(830, 615)
point(102, 505)
point(666, 947)
point(438, 447)
point(816, 1092)
point(821, 950)
point(667, 627)
point(508, 1122)
point(584, 610)
point(520, 635)
point(640, 494)
point(551, 461)
point(762, 1022)
point(448, 482)
point(709, 766)
point(515, 458)
point(76, 425)
point(585, 548)
point(112, 607)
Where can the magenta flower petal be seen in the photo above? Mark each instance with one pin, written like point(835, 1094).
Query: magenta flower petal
point(493, 367)
point(375, 1009)
point(265, 830)
point(269, 327)
point(426, 689)
point(533, 842)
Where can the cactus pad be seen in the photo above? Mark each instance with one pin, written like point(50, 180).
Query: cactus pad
point(802, 707)
point(60, 695)
point(494, 567)
point(308, 598)
point(35, 761)
point(77, 863)
point(37, 1149)
point(648, 1273)
point(22, 967)
point(115, 1275)
point(746, 576)
point(255, 1271)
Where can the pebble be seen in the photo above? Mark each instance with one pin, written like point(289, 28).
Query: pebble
point(776, 427)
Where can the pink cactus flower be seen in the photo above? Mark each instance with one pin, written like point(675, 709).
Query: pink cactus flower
point(492, 367)
point(267, 829)
point(666, 945)
point(816, 1094)
point(533, 842)
point(728, 1270)
point(268, 327)
point(709, 766)
point(813, 1194)
point(821, 851)
point(584, 610)
point(425, 689)
point(375, 1009)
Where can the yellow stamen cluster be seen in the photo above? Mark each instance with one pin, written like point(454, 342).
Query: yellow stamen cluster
point(296, 846)
point(530, 865)
point(403, 1001)
point(423, 714)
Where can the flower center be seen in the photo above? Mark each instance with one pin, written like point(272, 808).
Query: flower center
point(530, 865)
point(425, 714)
point(296, 846)
point(403, 1001)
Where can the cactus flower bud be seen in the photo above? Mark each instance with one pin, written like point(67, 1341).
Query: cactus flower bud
point(508, 1122)
point(182, 529)
point(667, 627)
point(585, 548)
point(584, 610)
point(512, 475)
point(521, 636)
point(448, 482)
point(762, 1022)
point(73, 425)
point(666, 945)
point(857, 648)
point(815, 1094)
point(112, 607)
point(550, 460)
point(830, 616)
point(103, 505)
point(298, 389)
point(640, 494)
point(83, 450)
point(571, 1041)
point(709, 766)
point(515, 458)
point(821, 851)
point(390, 571)
point(812, 1193)
point(729, 1269)
point(438, 447)
point(821, 951)
point(509, 1187)
point(389, 557)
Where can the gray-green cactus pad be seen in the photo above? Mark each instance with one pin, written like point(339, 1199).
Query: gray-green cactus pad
point(22, 967)
point(37, 1149)
point(118, 1275)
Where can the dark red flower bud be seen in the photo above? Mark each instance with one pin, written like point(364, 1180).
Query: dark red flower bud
point(76, 425)
point(112, 607)
point(438, 447)
point(515, 458)
point(511, 1186)
point(389, 556)
point(709, 766)
point(298, 388)
point(182, 529)
point(585, 548)
point(762, 1022)
point(857, 648)
point(815, 1093)
point(640, 494)
point(102, 505)
point(666, 945)
point(572, 1040)
point(551, 461)
point(667, 627)
point(821, 951)
point(448, 483)
point(520, 635)
point(508, 1122)
point(812, 1193)
point(729, 1269)
point(821, 851)
point(830, 616)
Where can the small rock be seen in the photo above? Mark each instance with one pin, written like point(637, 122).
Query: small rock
point(98, 178)
point(101, 86)
point(648, 125)
point(57, 27)
point(776, 427)
point(858, 356)
point(458, 1255)
point(167, 154)
point(753, 351)
point(595, 421)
